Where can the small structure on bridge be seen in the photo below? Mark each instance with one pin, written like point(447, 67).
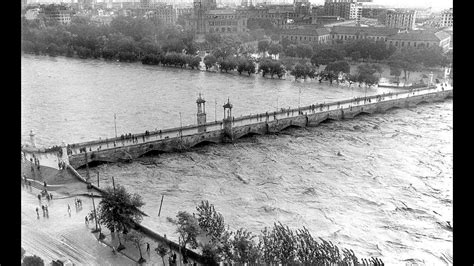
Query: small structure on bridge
point(201, 114)
point(228, 134)
point(32, 139)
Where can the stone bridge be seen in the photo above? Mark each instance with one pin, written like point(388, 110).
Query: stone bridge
point(232, 128)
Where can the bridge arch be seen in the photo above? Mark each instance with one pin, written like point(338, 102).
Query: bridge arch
point(203, 142)
point(361, 113)
point(422, 102)
point(393, 107)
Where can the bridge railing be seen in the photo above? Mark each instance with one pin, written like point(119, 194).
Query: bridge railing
point(323, 107)
point(245, 120)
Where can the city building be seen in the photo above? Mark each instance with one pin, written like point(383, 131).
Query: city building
point(206, 18)
point(59, 13)
point(306, 35)
point(446, 18)
point(246, 3)
point(420, 39)
point(369, 12)
point(342, 34)
point(167, 14)
point(400, 19)
point(343, 8)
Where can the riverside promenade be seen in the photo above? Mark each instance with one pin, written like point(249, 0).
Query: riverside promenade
point(64, 235)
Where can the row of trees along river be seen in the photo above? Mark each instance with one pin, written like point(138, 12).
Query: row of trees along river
point(130, 39)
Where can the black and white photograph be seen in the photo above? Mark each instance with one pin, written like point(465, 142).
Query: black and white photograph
point(236, 132)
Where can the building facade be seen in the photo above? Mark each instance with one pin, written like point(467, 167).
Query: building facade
point(420, 39)
point(400, 19)
point(308, 35)
point(346, 10)
point(58, 13)
point(343, 34)
point(446, 18)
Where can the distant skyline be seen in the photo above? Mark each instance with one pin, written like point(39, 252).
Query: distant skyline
point(434, 4)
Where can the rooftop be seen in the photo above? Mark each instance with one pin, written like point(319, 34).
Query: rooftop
point(420, 36)
point(377, 31)
point(306, 31)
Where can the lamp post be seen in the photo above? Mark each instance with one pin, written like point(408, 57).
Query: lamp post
point(180, 126)
point(115, 124)
point(97, 225)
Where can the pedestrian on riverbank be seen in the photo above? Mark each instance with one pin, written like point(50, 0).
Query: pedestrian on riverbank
point(47, 212)
point(69, 209)
point(42, 207)
point(37, 213)
point(47, 197)
point(39, 197)
point(51, 196)
point(87, 221)
point(148, 248)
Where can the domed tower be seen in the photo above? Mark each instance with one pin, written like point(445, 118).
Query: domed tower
point(201, 114)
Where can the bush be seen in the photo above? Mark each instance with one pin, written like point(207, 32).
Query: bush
point(32, 261)
point(151, 59)
point(209, 61)
point(83, 52)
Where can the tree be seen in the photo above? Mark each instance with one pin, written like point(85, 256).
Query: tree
point(227, 64)
point(193, 61)
point(275, 49)
point(162, 250)
point(136, 238)
point(210, 254)
point(326, 56)
point(119, 210)
point(408, 61)
point(395, 69)
point(32, 261)
point(366, 74)
point(210, 221)
point(209, 61)
point(263, 46)
point(338, 67)
point(304, 51)
point(188, 229)
point(245, 249)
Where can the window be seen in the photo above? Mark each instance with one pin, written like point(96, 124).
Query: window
point(396, 43)
point(403, 43)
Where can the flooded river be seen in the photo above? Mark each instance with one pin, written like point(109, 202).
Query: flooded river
point(379, 184)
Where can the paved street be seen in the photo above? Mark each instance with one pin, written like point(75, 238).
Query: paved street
point(64, 235)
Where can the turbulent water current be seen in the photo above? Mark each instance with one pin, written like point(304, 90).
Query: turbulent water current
point(379, 184)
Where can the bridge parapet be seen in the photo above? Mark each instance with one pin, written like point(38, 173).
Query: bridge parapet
point(268, 117)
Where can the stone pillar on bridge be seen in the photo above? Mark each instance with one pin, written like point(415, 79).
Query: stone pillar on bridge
point(64, 156)
point(32, 139)
point(201, 114)
point(228, 134)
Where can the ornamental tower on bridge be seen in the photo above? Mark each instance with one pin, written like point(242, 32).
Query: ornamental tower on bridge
point(228, 120)
point(201, 114)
